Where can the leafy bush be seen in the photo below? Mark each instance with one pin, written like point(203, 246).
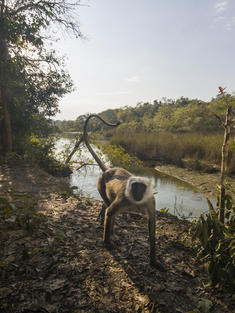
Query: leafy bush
point(41, 151)
point(216, 244)
point(119, 157)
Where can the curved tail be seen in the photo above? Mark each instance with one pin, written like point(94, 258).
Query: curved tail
point(95, 156)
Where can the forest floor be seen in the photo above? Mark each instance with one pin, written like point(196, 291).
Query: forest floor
point(52, 258)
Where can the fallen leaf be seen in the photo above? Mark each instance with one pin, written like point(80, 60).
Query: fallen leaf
point(4, 292)
point(56, 284)
point(205, 305)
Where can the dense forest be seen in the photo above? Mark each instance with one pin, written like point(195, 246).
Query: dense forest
point(32, 75)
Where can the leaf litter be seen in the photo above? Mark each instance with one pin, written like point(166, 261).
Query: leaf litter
point(60, 265)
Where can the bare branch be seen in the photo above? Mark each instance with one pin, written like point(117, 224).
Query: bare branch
point(77, 144)
point(219, 118)
point(60, 12)
point(85, 164)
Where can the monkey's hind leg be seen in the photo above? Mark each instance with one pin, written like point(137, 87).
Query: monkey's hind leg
point(110, 214)
point(102, 191)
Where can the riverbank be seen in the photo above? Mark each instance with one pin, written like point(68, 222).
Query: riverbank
point(54, 259)
point(203, 182)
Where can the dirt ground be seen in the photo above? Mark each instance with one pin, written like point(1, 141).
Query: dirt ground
point(53, 260)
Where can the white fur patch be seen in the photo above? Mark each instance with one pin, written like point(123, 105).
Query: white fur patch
point(148, 192)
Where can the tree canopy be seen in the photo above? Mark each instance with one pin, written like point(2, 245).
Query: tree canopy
point(180, 115)
point(32, 75)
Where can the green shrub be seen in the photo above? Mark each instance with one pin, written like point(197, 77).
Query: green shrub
point(41, 151)
point(215, 245)
point(119, 157)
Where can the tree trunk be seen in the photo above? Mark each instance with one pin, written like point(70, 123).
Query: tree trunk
point(7, 135)
point(224, 157)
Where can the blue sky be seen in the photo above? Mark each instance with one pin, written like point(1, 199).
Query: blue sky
point(138, 51)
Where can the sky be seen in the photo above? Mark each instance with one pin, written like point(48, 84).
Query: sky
point(139, 51)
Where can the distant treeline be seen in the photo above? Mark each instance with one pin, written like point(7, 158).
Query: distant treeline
point(181, 115)
point(185, 132)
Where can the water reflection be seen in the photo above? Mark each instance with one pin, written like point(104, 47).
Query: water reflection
point(180, 198)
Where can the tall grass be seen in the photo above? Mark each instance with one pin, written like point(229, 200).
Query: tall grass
point(175, 148)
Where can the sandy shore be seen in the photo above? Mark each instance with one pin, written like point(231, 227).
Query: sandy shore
point(204, 182)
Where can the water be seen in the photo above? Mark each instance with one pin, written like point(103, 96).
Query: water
point(178, 197)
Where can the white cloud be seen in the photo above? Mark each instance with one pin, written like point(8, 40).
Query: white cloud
point(133, 79)
point(219, 18)
point(113, 93)
point(228, 26)
point(221, 6)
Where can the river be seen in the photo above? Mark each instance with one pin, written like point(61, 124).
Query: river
point(174, 195)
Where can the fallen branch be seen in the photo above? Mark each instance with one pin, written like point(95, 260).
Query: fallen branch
point(77, 144)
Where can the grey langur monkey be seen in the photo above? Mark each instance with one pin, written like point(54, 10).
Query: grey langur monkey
point(122, 191)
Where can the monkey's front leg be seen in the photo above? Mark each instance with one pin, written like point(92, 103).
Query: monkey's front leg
point(110, 213)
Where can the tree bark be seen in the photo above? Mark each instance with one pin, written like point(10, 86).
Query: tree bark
point(224, 157)
point(7, 135)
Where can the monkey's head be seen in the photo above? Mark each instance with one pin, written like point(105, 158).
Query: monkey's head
point(138, 189)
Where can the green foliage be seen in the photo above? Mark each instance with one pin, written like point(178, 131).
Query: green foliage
point(34, 79)
point(194, 116)
point(181, 115)
point(41, 151)
point(164, 210)
point(185, 132)
point(119, 157)
point(215, 244)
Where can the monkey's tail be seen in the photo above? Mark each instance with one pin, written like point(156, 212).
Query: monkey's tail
point(95, 156)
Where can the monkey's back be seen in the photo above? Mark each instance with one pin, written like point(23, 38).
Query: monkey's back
point(115, 180)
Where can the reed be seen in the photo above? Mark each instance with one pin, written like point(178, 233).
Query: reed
point(195, 150)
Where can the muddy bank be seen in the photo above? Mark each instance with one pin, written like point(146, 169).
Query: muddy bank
point(204, 182)
point(59, 263)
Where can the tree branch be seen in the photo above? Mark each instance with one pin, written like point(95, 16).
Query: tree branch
point(77, 144)
point(85, 164)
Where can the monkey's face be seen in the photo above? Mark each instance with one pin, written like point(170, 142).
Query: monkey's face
point(137, 190)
